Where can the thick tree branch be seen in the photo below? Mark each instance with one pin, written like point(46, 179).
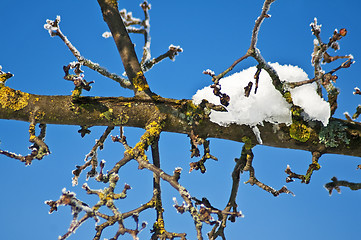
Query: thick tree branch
point(125, 46)
point(339, 137)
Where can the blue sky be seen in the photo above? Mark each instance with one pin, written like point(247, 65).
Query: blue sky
point(212, 35)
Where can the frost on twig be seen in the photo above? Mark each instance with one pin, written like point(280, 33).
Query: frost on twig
point(91, 158)
point(39, 149)
point(254, 52)
point(53, 27)
point(77, 206)
point(138, 26)
point(314, 166)
point(78, 79)
point(358, 108)
point(246, 160)
point(4, 76)
point(321, 56)
point(195, 142)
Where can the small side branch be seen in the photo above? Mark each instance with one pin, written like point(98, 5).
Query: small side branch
point(158, 230)
point(320, 55)
point(39, 149)
point(247, 158)
point(171, 53)
point(125, 47)
point(336, 184)
point(255, 53)
point(91, 159)
point(314, 166)
point(53, 27)
point(218, 229)
point(199, 165)
point(77, 206)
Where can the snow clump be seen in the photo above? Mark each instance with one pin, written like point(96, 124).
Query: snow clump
point(267, 104)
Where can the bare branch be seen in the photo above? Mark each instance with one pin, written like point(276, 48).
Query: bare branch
point(54, 29)
point(336, 184)
point(91, 158)
point(125, 47)
point(314, 166)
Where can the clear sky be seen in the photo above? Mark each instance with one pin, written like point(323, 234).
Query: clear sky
point(212, 34)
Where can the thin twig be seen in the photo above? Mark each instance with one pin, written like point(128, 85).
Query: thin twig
point(54, 30)
point(336, 184)
point(91, 157)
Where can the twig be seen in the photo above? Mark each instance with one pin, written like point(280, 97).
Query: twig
point(158, 230)
point(91, 157)
point(218, 229)
point(54, 30)
point(39, 149)
point(171, 53)
point(247, 157)
point(255, 53)
point(336, 184)
point(314, 166)
point(146, 49)
point(125, 47)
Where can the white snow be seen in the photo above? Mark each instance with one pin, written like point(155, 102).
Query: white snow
point(267, 104)
point(107, 34)
point(316, 26)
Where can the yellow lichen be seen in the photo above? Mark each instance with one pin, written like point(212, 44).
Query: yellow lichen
point(76, 92)
point(115, 119)
point(296, 111)
point(13, 99)
point(159, 226)
point(128, 104)
point(139, 82)
point(287, 96)
point(247, 142)
point(299, 132)
point(153, 131)
point(113, 3)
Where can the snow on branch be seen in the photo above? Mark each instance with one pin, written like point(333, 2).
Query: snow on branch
point(267, 105)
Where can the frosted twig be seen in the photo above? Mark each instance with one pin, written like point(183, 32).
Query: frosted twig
point(320, 55)
point(218, 229)
point(195, 141)
point(255, 53)
point(247, 159)
point(314, 166)
point(54, 30)
point(91, 157)
point(146, 49)
point(325, 77)
point(251, 50)
point(264, 14)
point(129, 21)
point(158, 230)
point(171, 53)
point(39, 149)
point(357, 91)
point(77, 206)
point(4, 76)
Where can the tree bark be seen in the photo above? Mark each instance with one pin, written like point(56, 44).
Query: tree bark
point(125, 47)
point(135, 112)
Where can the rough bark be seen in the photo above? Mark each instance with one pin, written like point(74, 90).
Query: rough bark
point(341, 137)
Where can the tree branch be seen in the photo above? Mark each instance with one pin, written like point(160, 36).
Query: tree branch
point(135, 112)
point(125, 46)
